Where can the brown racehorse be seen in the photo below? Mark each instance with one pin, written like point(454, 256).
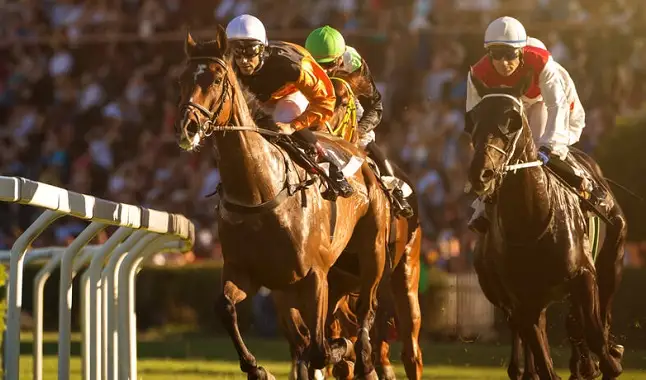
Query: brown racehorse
point(537, 249)
point(398, 291)
point(273, 233)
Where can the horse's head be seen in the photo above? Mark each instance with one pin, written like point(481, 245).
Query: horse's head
point(206, 90)
point(496, 126)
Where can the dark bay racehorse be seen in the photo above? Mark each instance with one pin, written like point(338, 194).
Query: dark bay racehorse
point(537, 249)
point(398, 292)
point(272, 233)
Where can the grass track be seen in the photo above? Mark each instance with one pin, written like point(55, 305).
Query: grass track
point(190, 356)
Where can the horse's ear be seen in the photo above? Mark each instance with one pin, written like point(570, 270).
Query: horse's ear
point(189, 44)
point(480, 86)
point(523, 85)
point(221, 38)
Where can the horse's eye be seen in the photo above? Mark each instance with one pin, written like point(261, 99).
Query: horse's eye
point(217, 81)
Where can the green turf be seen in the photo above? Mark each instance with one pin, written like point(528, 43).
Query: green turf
point(191, 356)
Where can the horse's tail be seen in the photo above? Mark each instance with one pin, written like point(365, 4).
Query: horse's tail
point(625, 189)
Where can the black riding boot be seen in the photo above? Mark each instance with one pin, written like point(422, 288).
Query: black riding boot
point(594, 192)
point(402, 206)
point(339, 182)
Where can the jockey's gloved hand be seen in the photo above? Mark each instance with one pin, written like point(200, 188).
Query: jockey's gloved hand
point(544, 154)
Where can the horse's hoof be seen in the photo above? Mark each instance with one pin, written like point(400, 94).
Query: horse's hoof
point(617, 351)
point(260, 374)
point(386, 373)
point(344, 370)
point(371, 376)
point(515, 373)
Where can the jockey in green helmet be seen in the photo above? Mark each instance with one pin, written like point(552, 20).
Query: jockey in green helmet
point(328, 48)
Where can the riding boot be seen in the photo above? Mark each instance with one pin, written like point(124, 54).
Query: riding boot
point(402, 207)
point(336, 178)
point(341, 184)
point(587, 188)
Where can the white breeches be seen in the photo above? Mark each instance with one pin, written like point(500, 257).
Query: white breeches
point(537, 118)
point(290, 107)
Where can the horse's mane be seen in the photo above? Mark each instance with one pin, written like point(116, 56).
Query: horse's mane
point(359, 85)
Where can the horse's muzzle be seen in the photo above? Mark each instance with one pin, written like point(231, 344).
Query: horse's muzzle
point(189, 136)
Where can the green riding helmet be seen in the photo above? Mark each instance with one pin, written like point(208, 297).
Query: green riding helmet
point(325, 44)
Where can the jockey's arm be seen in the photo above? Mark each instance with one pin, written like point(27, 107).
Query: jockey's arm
point(552, 85)
point(317, 87)
point(372, 105)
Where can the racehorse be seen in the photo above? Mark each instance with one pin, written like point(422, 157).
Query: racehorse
point(537, 249)
point(275, 229)
point(398, 291)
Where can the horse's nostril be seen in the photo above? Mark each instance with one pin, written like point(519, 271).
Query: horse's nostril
point(192, 127)
point(486, 175)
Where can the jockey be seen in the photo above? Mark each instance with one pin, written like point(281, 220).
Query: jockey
point(552, 106)
point(285, 76)
point(328, 47)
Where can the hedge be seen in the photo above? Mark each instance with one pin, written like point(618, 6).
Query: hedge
point(186, 295)
point(620, 158)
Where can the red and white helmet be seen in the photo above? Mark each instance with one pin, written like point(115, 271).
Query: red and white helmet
point(506, 31)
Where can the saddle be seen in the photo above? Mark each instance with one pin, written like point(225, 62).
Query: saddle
point(305, 157)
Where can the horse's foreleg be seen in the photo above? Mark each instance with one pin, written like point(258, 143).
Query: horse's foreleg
point(405, 285)
point(585, 295)
point(371, 264)
point(314, 289)
point(295, 332)
point(530, 328)
point(582, 365)
point(513, 369)
point(237, 287)
point(380, 331)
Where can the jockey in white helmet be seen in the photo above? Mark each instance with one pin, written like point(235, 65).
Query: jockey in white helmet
point(286, 78)
point(554, 112)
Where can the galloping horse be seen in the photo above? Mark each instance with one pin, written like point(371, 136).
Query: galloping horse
point(275, 230)
point(537, 249)
point(398, 291)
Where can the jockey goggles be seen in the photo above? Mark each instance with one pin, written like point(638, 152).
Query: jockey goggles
point(503, 52)
point(247, 49)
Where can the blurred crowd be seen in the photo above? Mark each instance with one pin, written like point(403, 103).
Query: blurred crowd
point(88, 92)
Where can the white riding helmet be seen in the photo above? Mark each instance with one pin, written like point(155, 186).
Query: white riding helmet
point(535, 42)
point(246, 27)
point(506, 31)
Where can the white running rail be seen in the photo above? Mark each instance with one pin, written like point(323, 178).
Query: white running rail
point(108, 316)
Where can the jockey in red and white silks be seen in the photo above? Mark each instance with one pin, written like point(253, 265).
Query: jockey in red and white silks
point(554, 111)
point(552, 106)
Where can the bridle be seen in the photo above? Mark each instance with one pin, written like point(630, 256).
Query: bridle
point(211, 122)
point(214, 124)
point(510, 152)
point(510, 149)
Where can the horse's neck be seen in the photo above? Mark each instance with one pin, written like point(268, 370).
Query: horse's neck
point(524, 199)
point(251, 168)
